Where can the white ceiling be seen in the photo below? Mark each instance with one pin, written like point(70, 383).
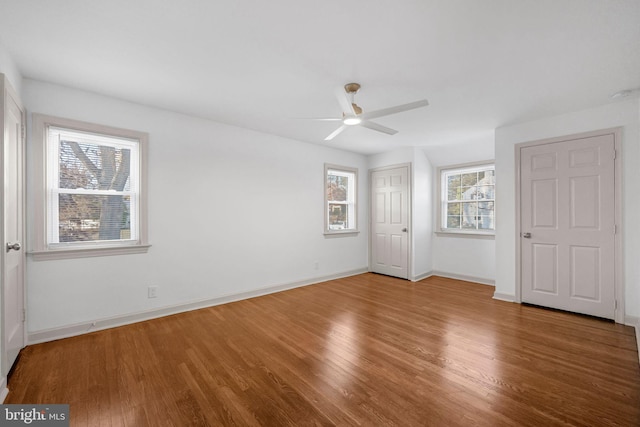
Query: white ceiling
point(264, 65)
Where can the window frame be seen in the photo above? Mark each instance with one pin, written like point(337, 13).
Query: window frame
point(352, 199)
point(41, 247)
point(442, 201)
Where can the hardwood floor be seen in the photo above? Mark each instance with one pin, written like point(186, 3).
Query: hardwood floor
point(366, 350)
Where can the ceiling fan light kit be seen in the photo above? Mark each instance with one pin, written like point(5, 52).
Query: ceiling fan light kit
point(353, 115)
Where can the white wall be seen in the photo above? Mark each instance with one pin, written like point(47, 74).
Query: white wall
point(459, 256)
point(421, 204)
point(465, 258)
point(625, 114)
point(395, 157)
point(470, 151)
point(230, 211)
point(10, 70)
point(422, 211)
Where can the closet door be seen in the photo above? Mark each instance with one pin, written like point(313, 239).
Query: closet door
point(390, 219)
point(13, 252)
point(568, 225)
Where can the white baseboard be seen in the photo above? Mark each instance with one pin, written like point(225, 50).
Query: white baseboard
point(638, 339)
point(635, 322)
point(4, 391)
point(52, 334)
point(422, 276)
point(490, 282)
point(474, 279)
point(504, 297)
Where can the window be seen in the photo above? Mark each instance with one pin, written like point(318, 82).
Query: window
point(340, 199)
point(468, 199)
point(93, 201)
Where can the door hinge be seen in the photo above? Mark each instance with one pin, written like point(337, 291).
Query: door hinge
point(615, 229)
point(24, 315)
point(616, 301)
point(614, 154)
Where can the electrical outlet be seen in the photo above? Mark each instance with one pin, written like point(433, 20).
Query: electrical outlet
point(316, 265)
point(152, 291)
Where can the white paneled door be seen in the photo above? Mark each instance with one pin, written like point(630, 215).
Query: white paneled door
point(390, 221)
point(568, 225)
point(13, 258)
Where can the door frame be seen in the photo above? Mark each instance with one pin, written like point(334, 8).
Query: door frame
point(619, 233)
point(7, 91)
point(408, 165)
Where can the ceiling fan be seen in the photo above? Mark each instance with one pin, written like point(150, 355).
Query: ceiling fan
point(354, 116)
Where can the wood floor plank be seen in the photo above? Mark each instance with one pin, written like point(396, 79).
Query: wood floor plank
point(363, 350)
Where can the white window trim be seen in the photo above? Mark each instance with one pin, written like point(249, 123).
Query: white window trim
point(39, 248)
point(446, 232)
point(348, 231)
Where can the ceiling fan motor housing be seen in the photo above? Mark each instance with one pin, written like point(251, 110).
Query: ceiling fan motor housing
point(352, 87)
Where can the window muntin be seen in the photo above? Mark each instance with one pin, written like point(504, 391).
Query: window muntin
point(468, 199)
point(340, 199)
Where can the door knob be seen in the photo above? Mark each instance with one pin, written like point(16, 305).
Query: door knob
point(526, 235)
point(404, 230)
point(15, 246)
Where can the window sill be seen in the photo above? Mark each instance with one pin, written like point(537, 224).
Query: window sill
point(345, 233)
point(54, 254)
point(467, 234)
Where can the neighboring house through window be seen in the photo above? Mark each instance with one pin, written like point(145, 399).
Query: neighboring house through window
point(340, 199)
point(468, 199)
point(94, 198)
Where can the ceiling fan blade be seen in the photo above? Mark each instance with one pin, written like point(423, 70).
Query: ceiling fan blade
point(322, 119)
point(335, 133)
point(379, 128)
point(394, 110)
point(345, 102)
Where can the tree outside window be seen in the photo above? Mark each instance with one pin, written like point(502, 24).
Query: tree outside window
point(93, 168)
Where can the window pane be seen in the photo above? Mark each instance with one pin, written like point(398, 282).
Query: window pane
point(469, 179)
point(454, 193)
point(91, 218)
point(468, 193)
point(453, 186)
point(337, 188)
point(469, 215)
point(454, 208)
point(93, 166)
point(485, 208)
point(487, 177)
point(338, 215)
point(485, 192)
point(453, 221)
point(486, 185)
point(486, 222)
